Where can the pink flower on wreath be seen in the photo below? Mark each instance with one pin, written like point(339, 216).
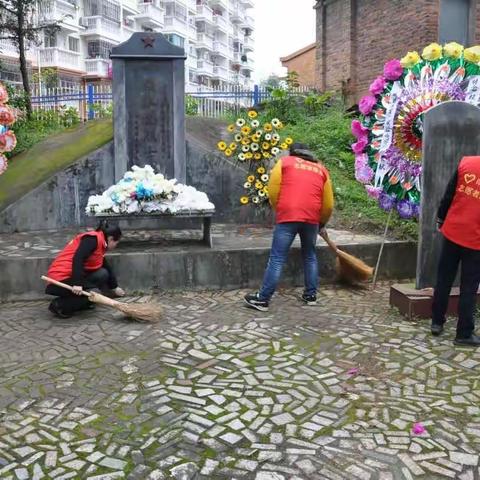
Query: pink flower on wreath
point(3, 94)
point(8, 141)
point(373, 192)
point(366, 104)
point(364, 174)
point(361, 159)
point(377, 86)
point(393, 70)
point(359, 147)
point(7, 116)
point(358, 130)
point(3, 163)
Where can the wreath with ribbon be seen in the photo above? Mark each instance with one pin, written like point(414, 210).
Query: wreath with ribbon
point(388, 147)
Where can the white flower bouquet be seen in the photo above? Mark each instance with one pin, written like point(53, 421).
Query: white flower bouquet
point(141, 190)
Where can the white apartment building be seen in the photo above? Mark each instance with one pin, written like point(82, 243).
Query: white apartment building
point(217, 36)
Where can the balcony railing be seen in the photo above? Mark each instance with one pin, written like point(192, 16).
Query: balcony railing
point(57, 57)
point(96, 67)
point(176, 23)
point(60, 12)
point(220, 22)
point(248, 43)
point(151, 14)
point(204, 67)
point(220, 48)
point(99, 25)
point(204, 41)
point(220, 72)
point(204, 13)
point(247, 22)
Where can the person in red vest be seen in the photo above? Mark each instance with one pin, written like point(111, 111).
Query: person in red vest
point(82, 264)
point(300, 192)
point(459, 221)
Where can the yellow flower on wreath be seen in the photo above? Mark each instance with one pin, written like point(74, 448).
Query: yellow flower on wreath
point(256, 138)
point(266, 146)
point(252, 114)
point(268, 127)
point(288, 141)
point(246, 130)
point(265, 189)
point(243, 200)
point(280, 126)
point(228, 152)
point(257, 156)
point(249, 155)
point(410, 60)
point(259, 185)
point(472, 54)
point(232, 146)
point(231, 128)
point(432, 52)
point(221, 146)
point(261, 170)
point(251, 178)
point(283, 146)
point(266, 155)
point(453, 50)
point(245, 141)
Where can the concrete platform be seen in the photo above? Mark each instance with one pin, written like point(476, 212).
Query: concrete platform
point(170, 259)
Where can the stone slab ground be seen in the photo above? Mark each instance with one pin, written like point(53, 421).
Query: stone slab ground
point(218, 391)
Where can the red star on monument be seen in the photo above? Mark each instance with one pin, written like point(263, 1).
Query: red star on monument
point(148, 41)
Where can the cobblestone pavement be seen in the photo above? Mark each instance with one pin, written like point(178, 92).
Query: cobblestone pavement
point(218, 391)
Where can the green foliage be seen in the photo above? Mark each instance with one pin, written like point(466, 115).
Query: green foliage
point(102, 110)
point(48, 77)
point(17, 98)
point(191, 105)
point(42, 124)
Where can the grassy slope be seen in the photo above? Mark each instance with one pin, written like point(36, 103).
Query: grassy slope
point(32, 167)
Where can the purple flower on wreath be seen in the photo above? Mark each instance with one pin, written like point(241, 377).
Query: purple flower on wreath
point(373, 192)
point(364, 174)
point(393, 70)
point(358, 130)
point(359, 147)
point(386, 201)
point(377, 86)
point(416, 210)
point(366, 104)
point(361, 160)
point(405, 209)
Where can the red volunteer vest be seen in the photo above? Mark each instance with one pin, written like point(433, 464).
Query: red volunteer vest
point(301, 191)
point(462, 225)
point(61, 267)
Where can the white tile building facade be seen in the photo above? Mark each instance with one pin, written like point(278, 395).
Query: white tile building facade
point(217, 36)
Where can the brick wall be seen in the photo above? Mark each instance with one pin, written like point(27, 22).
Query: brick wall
point(304, 65)
point(356, 37)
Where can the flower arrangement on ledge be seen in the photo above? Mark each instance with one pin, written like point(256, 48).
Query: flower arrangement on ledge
point(141, 190)
point(388, 147)
point(8, 140)
point(256, 144)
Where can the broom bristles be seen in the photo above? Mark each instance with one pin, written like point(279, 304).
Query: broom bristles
point(352, 269)
point(141, 311)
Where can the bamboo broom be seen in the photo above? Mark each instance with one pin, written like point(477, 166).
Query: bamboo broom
point(139, 311)
point(349, 268)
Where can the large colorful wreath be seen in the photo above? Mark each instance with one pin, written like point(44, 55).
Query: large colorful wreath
point(8, 140)
point(388, 147)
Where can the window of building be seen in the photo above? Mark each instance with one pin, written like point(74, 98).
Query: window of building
point(454, 21)
point(99, 49)
point(50, 38)
point(106, 8)
point(173, 9)
point(73, 44)
point(175, 39)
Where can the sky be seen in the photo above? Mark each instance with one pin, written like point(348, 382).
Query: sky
point(281, 28)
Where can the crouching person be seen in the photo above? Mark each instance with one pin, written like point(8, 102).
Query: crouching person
point(82, 265)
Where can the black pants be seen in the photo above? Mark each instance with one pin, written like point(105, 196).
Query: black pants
point(452, 254)
point(68, 303)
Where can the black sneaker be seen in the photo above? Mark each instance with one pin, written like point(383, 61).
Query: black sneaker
point(252, 300)
point(436, 329)
point(471, 341)
point(309, 299)
point(53, 307)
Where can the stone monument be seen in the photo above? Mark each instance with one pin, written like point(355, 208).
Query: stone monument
point(149, 105)
point(451, 131)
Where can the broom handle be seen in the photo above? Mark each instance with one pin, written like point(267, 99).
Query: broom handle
point(64, 285)
point(381, 250)
point(324, 234)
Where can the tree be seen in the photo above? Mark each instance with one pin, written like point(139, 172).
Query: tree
point(273, 81)
point(21, 23)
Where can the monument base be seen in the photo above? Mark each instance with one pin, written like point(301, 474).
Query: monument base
point(418, 303)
